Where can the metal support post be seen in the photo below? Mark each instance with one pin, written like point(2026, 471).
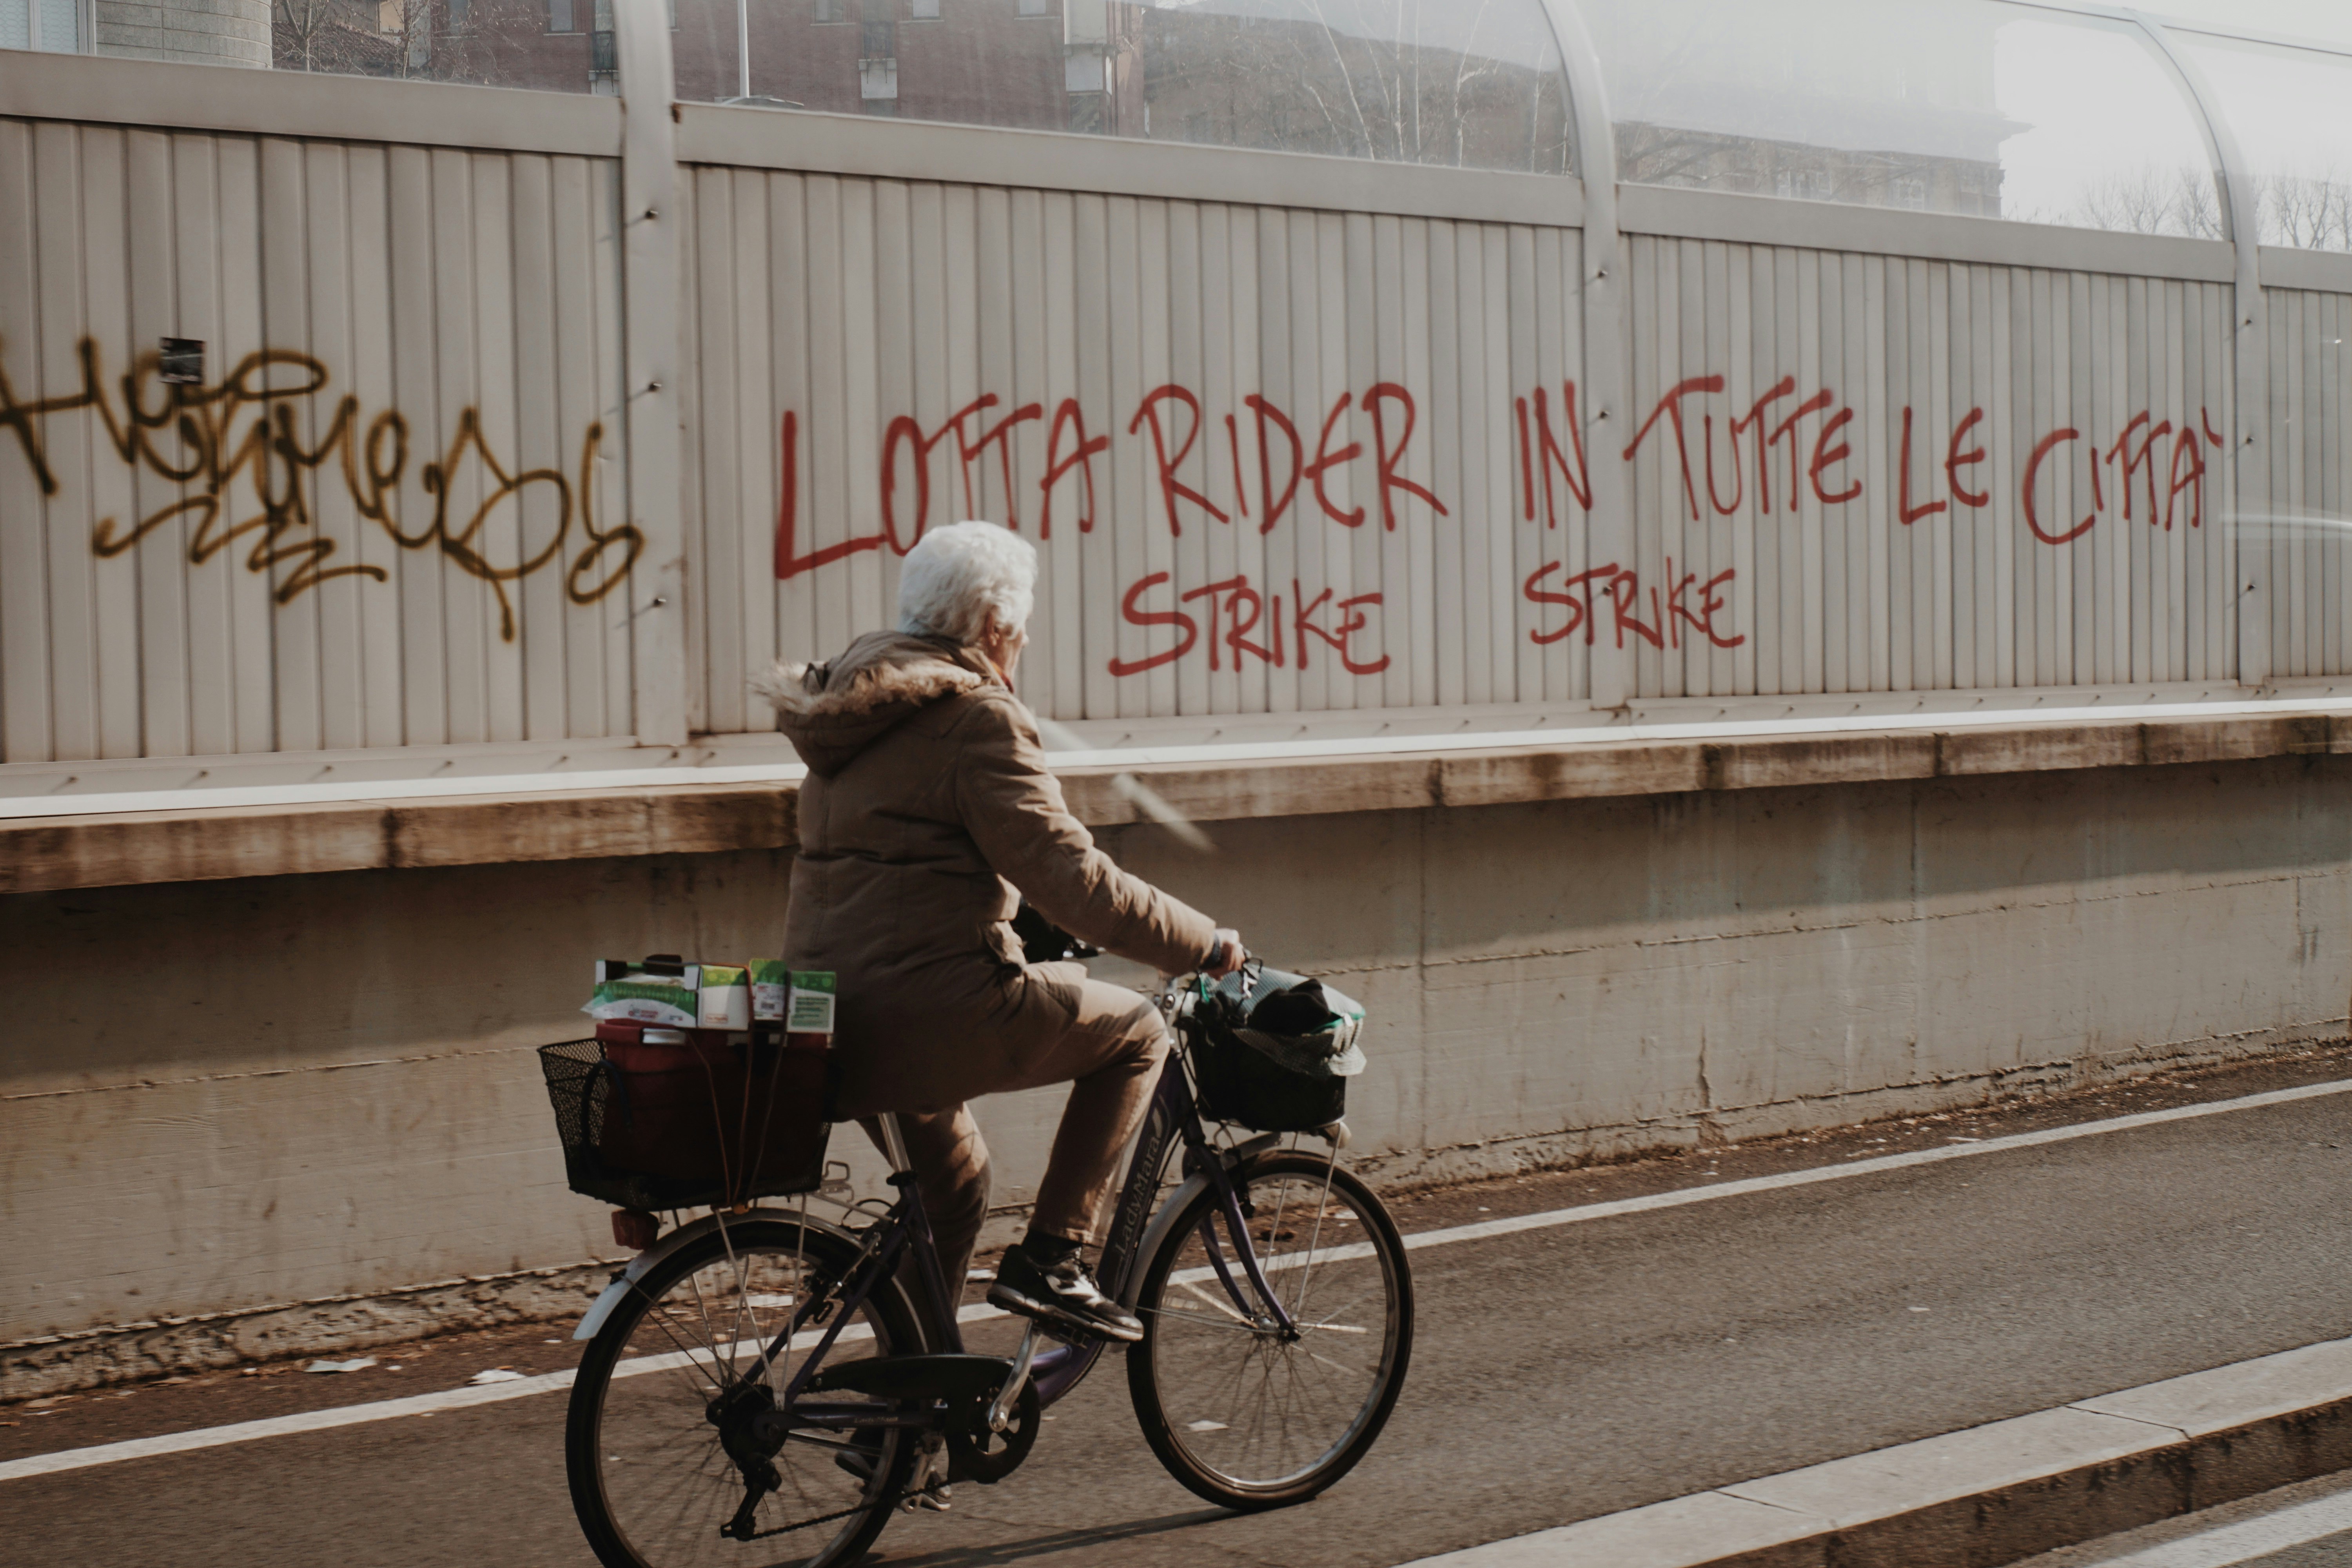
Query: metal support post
point(649, 264)
point(2249, 446)
point(1609, 532)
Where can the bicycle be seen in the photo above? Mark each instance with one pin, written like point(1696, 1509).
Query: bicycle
point(759, 1375)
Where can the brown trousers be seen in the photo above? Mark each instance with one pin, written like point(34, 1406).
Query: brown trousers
point(1110, 1053)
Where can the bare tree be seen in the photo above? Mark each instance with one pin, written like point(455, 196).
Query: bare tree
point(2309, 212)
point(2182, 201)
point(296, 28)
point(488, 41)
point(339, 36)
point(484, 41)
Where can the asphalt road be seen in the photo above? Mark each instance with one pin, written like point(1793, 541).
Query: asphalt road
point(1559, 1374)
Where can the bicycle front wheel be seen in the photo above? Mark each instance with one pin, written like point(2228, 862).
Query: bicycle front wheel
point(664, 1446)
point(1241, 1410)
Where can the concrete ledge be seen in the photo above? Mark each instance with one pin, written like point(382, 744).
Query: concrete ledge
point(1995, 1493)
point(48, 854)
point(200, 844)
point(214, 1341)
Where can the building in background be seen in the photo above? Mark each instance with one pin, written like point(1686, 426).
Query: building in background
point(211, 32)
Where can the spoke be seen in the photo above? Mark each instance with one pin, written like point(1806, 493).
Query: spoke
point(1227, 1308)
point(703, 1306)
point(1327, 1361)
point(735, 1329)
point(1200, 1320)
point(668, 1483)
point(1278, 1407)
point(1321, 1207)
point(659, 1319)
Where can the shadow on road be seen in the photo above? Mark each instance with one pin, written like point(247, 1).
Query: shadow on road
point(1060, 1540)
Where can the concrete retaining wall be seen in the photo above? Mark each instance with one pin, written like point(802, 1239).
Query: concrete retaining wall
point(235, 1097)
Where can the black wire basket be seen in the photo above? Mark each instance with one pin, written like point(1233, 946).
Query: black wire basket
point(718, 1122)
point(1248, 1088)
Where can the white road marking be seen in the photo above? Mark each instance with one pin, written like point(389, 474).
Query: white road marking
point(1678, 1199)
point(2247, 1539)
point(380, 1410)
point(460, 1398)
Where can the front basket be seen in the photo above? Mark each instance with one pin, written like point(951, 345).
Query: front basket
point(1251, 1089)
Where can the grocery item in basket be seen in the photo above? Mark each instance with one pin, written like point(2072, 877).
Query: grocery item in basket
point(651, 993)
point(1304, 1025)
point(725, 997)
point(770, 981)
point(809, 1010)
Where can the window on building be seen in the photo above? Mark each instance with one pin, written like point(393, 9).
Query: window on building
point(559, 16)
point(53, 27)
point(924, 10)
point(877, 41)
point(1033, 8)
point(832, 11)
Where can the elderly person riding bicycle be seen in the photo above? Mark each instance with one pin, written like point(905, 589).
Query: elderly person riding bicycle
point(927, 816)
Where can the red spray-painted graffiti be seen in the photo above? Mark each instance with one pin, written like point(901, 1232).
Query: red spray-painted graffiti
point(1243, 607)
point(1573, 595)
point(1777, 453)
point(1172, 415)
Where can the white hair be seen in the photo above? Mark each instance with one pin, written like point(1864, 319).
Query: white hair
point(956, 576)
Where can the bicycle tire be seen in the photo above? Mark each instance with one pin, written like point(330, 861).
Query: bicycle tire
point(711, 1490)
point(1154, 1381)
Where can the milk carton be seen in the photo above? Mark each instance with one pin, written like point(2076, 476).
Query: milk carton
point(725, 996)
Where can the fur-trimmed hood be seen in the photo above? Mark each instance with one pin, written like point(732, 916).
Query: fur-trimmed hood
point(833, 711)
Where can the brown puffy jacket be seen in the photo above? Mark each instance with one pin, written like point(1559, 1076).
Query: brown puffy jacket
point(927, 816)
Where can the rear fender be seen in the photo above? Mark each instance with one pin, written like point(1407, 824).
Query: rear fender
point(644, 1262)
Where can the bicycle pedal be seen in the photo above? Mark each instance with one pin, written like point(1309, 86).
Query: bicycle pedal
point(937, 1499)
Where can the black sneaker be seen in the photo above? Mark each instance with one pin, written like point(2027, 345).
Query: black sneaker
point(1062, 1292)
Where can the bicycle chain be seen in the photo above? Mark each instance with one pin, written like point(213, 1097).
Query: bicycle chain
point(904, 1493)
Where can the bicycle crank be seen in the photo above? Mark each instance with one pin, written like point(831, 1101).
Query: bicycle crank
point(981, 1452)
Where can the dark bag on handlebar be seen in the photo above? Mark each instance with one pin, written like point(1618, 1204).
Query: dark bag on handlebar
point(1271, 1051)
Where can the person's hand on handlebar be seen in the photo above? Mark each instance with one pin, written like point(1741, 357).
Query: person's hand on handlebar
point(1228, 954)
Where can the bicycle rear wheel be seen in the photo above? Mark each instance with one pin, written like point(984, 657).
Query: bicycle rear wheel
point(1239, 1411)
point(658, 1444)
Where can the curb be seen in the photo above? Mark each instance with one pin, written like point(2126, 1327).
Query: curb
point(1995, 1493)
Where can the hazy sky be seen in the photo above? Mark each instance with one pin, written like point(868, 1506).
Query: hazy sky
point(2292, 111)
point(2327, 20)
point(2101, 109)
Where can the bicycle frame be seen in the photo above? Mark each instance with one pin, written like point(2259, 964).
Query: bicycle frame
point(1173, 1114)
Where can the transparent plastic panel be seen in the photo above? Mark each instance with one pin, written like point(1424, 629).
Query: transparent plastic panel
point(2292, 112)
point(552, 46)
point(2318, 21)
point(15, 25)
point(1459, 83)
point(60, 26)
point(1965, 106)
